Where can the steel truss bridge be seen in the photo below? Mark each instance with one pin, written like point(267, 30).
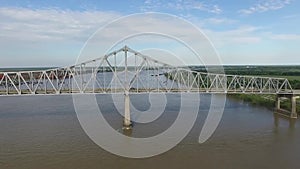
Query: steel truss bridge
point(138, 74)
point(128, 71)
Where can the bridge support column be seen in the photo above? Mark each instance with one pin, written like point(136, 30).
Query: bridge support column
point(293, 98)
point(127, 122)
point(278, 103)
point(294, 111)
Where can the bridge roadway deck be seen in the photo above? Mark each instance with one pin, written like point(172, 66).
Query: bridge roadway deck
point(296, 92)
point(143, 90)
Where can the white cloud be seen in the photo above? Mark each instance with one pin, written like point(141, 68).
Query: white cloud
point(157, 5)
point(290, 16)
point(54, 25)
point(285, 37)
point(50, 24)
point(241, 35)
point(61, 28)
point(218, 21)
point(266, 5)
point(55, 37)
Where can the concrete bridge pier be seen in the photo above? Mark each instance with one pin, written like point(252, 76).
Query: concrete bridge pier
point(278, 99)
point(293, 98)
point(127, 125)
point(294, 103)
point(127, 121)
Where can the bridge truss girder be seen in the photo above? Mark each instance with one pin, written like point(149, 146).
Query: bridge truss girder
point(128, 70)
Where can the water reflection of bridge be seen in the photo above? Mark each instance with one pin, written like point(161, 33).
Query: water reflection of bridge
point(128, 71)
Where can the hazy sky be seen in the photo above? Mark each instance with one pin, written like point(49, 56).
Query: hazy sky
point(51, 33)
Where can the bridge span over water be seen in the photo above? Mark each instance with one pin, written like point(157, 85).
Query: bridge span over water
point(129, 71)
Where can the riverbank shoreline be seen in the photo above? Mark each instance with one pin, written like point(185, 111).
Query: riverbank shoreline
point(264, 100)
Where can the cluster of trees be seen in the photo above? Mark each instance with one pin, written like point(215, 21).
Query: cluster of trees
point(261, 72)
point(264, 70)
point(295, 84)
point(256, 99)
point(256, 70)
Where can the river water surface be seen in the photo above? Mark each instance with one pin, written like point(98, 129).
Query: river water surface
point(43, 132)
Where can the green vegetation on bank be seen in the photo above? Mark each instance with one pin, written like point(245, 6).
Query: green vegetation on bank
point(264, 100)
